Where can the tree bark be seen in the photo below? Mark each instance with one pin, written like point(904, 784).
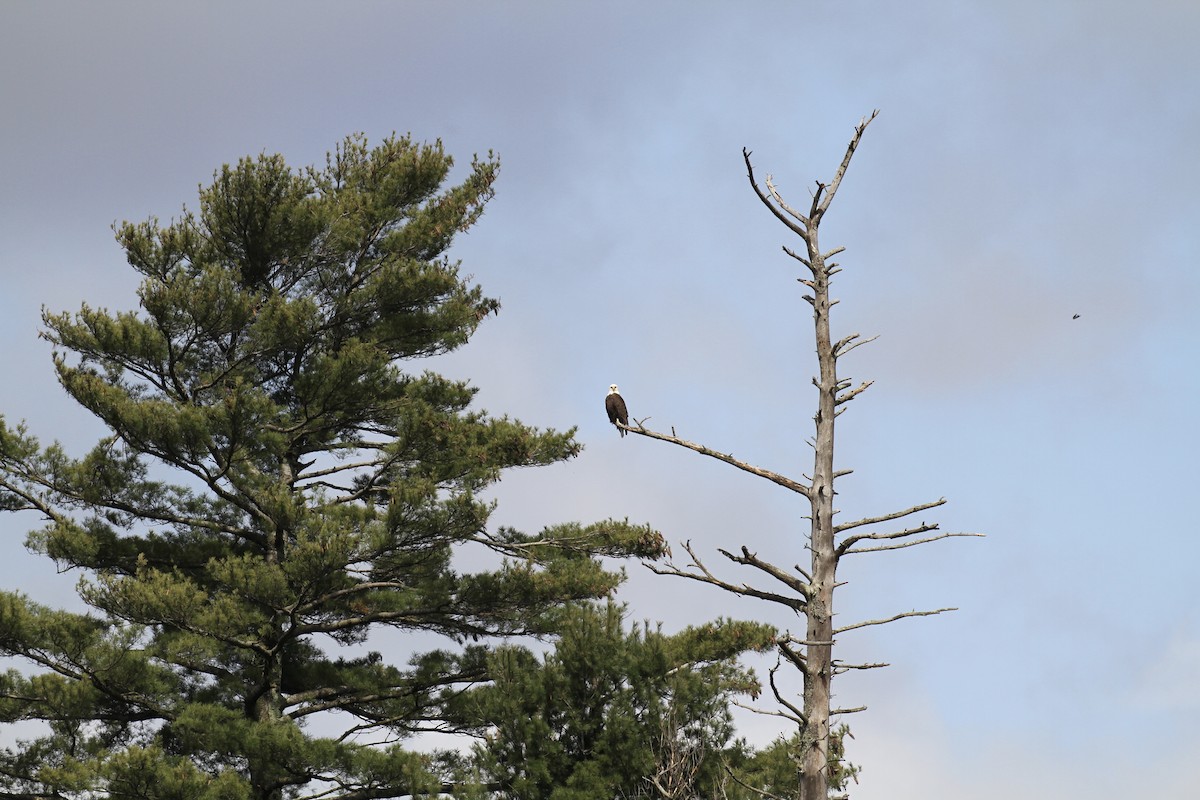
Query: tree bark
point(818, 669)
point(811, 592)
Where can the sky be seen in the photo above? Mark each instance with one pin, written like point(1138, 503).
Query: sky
point(1031, 161)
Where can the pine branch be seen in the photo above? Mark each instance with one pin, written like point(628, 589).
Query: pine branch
point(307, 476)
point(377, 793)
point(370, 485)
point(65, 492)
point(347, 697)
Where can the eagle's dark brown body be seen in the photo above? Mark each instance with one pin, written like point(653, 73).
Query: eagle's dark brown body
point(614, 404)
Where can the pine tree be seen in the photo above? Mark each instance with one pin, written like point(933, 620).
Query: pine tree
point(771, 771)
point(277, 483)
point(614, 713)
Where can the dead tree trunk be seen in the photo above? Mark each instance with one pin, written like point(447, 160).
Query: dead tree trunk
point(810, 592)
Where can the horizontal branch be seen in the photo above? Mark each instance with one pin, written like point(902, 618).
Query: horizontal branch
point(858, 523)
point(839, 666)
point(855, 710)
point(38, 500)
point(870, 622)
point(848, 396)
point(347, 698)
point(850, 541)
point(774, 477)
point(789, 639)
point(902, 545)
point(305, 476)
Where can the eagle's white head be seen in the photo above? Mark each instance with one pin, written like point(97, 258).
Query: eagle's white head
point(612, 389)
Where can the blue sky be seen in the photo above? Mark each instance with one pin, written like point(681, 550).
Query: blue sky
point(1031, 161)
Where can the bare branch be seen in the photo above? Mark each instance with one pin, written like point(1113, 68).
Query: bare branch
point(778, 198)
point(766, 200)
point(830, 190)
point(816, 200)
point(774, 477)
point(902, 545)
point(904, 615)
point(810, 651)
point(304, 476)
point(705, 576)
point(845, 340)
point(850, 541)
point(799, 258)
point(846, 398)
point(840, 667)
point(798, 660)
point(744, 785)
point(844, 345)
point(767, 713)
point(752, 559)
point(789, 639)
point(888, 517)
point(799, 715)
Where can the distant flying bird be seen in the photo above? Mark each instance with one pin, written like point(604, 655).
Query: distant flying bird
point(1075, 317)
point(614, 404)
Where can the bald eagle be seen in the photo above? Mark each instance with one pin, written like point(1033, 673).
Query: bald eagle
point(614, 404)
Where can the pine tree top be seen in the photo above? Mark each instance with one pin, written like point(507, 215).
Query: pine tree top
point(278, 482)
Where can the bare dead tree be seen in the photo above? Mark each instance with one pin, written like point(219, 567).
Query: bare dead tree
point(809, 590)
point(680, 758)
